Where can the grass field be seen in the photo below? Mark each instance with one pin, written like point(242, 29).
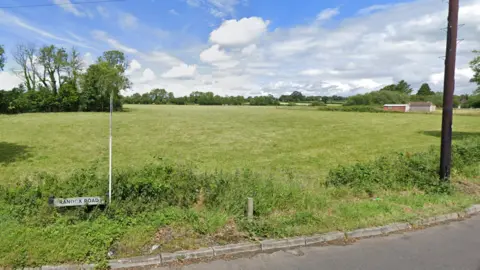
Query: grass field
point(290, 151)
point(308, 142)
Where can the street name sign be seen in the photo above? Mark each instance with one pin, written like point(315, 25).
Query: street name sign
point(79, 201)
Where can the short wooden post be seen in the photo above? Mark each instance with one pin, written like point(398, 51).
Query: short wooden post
point(250, 209)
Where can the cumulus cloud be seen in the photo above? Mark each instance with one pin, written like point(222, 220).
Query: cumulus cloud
point(173, 12)
point(183, 71)
point(133, 66)
point(147, 76)
point(377, 46)
point(239, 33)
point(8, 80)
point(249, 49)
point(214, 54)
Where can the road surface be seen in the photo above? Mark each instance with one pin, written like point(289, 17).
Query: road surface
point(452, 246)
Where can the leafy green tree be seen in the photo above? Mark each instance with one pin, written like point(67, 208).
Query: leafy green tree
point(54, 61)
point(98, 83)
point(425, 90)
point(115, 59)
point(402, 87)
point(475, 66)
point(2, 57)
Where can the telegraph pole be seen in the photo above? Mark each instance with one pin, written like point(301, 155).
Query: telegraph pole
point(448, 89)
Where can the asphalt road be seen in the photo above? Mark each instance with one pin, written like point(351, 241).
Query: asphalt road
point(452, 246)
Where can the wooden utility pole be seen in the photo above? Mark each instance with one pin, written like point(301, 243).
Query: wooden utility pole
point(448, 90)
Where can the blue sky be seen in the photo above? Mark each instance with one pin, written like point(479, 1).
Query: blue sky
point(253, 46)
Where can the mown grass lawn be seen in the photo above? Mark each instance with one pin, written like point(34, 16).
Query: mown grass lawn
point(305, 142)
point(283, 156)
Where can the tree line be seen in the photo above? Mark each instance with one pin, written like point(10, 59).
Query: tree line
point(55, 80)
point(401, 93)
point(161, 96)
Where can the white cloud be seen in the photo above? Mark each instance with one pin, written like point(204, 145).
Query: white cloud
point(69, 7)
point(239, 33)
point(217, 13)
point(194, 3)
point(218, 8)
point(181, 72)
point(87, 60)
point(327, 14)
point(214, 54)
point(133, 66)
point(103, 36)
point(162, 57)
point(8, 80)
point(103, 12)
point(460, 73)
point(312, 72)
point(9, 19)
point(147, 76)
point(173, 12)
point(127, 21)
point(372, 9)
point(249, 49)
point(360, 54)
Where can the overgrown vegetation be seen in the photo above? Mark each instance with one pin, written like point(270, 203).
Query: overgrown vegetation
point(162, 197)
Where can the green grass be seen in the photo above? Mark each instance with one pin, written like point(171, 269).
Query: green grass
point(306, 142)
point(283, 157)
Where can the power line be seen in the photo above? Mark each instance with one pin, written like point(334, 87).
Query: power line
point(60, 4)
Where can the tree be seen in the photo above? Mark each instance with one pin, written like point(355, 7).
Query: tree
point(98, 83)
point(25, 56)
point(402, 87)
point(54, 61)
point(2, 57)
point(115, 59)
point(475, 66)
point(425, 90)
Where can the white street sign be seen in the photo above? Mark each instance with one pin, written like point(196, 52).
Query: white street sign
point(80, 201)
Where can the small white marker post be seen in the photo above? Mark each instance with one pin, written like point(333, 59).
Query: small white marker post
point(110, 153)
point(250, 209)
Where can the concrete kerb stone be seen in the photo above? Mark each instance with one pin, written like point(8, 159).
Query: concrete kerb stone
point(136, 262)
point(437, 219)
point(368, 232)
point(237, 249)
point(395, 227)
point(187, 255)
point(472, 210)
point(269, 245)
point(284, 243)
point(324, 238)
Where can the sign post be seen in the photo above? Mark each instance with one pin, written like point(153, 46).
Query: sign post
point(110, 153)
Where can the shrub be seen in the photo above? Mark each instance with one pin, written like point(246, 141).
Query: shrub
point(400, 171)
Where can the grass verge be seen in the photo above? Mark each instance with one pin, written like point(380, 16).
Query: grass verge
point(177, 207)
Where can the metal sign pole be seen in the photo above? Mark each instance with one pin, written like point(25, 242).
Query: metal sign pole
point(110, 153)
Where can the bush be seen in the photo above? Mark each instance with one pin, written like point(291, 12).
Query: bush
point(401, 171)
point(378, 98)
